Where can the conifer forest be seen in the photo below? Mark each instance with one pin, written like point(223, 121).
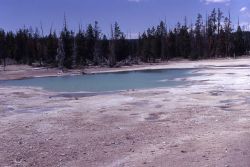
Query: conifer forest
point(211, 36)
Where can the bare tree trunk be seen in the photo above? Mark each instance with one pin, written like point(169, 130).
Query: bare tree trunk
point(4, 64)
point(112, 57)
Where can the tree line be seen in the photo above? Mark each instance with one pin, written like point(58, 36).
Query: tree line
point(210, 37)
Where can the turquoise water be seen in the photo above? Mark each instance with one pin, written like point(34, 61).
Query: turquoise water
point(108, 81)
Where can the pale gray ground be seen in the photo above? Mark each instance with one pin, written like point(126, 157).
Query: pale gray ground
point(205, 123)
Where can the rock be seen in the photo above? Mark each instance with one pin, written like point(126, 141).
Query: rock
point(131, 150)
point(174, 145)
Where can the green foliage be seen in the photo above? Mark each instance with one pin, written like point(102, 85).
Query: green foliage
point(80, 47)
point(52, 45)
point(239, 42)
point(67, 40)
point(3, 47)
point(208, 38)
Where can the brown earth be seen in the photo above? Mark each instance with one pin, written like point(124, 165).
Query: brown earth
point(204, 123)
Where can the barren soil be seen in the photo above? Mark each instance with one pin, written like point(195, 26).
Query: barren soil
point(204, 123)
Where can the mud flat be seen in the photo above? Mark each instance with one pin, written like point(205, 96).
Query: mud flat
point(203, 123)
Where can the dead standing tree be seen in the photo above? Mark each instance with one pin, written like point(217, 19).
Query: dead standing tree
point(60, 54)
point(112, 56)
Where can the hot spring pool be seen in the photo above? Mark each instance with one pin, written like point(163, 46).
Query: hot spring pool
point(104, 82)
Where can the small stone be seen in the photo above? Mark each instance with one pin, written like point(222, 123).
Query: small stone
point(19, 159)
point(174, 145)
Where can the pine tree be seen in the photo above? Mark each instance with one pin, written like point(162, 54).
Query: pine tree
point(3, 48)
point(81, 50)
point(118, 45)
point(184, 42)
point(105, 48)
point(67, 40)
point(228, 36)
point(112, 55)
point(97, 53)
point(154, 44)
point(163, 39)
point(52, 45)
point(10, 45)
point(146, 47)
point(172, 45)
point(21, 53)
point(90, 43)
point(198, 44)
point(220, 35)
point(211, 33)
point(239, 42)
